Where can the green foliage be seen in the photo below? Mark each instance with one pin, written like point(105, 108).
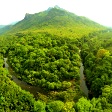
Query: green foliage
point(5, 29)
point(12, 97)
point(45, 60)
point(100, 104)
point(39, 106)
point(55, 106)
point(97, 61)
point(102, 52)
point(45, 52)
point(83, 105)
point(68, 107)
point(107, 93)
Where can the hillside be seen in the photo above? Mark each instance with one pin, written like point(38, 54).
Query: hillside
point(56, 20)
point(4, 29)
point(53, 18)
point(1, 26)
point(42, 53)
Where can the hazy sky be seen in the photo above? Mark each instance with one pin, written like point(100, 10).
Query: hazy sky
point(97, 10)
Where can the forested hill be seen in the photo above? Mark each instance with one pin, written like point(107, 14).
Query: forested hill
point(56, 20)
point(5, 29)
point(43, 51)
point(53, 18)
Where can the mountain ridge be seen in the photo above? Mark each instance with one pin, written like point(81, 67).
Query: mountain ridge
point(57, 19)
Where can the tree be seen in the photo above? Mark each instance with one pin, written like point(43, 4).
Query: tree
point(39, 106)
point(83, 105)
point(68, 107)
point(102, 52)
point(55, 106)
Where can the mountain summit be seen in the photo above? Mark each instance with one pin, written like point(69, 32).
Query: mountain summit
point(55, 18)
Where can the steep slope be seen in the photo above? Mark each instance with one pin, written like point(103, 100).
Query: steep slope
point(56, 20)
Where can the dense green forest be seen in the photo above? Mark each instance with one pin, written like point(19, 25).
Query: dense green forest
point(46, 60)
point(49, 57)
point(97, 58)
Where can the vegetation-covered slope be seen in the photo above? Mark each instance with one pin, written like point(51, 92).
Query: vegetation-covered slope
point(44, 50)
point(54, 18)
point(57, 21)
point(5, 29)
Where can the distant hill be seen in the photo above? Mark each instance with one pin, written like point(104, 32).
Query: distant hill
point(56, 20)
point(5, 28)
point(1, 26)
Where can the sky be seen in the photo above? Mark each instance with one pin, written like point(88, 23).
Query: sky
point(97, 10)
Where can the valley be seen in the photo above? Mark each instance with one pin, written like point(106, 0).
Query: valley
point(57, 62)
